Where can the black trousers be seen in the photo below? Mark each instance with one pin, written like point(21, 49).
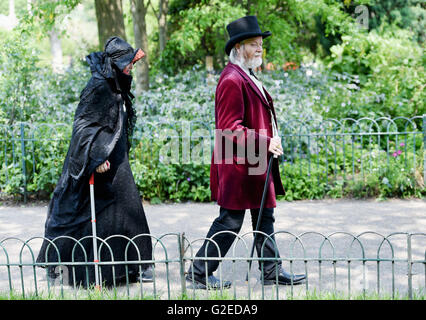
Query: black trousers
point(232, 220)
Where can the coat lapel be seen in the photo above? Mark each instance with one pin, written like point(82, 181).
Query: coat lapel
point(271, 104)
point(253, 85)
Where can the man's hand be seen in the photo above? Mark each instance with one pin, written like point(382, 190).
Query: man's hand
point(104, 167)
point(275, 146)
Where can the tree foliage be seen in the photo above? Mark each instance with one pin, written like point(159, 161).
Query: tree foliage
point(18, 81)
point(45, 13)
point(198, 31)
point(406, 14)
point(299, 28)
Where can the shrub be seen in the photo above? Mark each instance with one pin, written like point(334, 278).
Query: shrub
point(304, 96)
point(391, 74)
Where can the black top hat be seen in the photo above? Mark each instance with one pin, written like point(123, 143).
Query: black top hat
point(241, 29)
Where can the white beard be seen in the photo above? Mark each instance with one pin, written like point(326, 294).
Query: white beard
point(252, 63)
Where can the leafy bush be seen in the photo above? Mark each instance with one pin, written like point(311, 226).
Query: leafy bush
point(18, 81)
point(31, 93)
point(304, 95)
point(390, 66)
point(383, 181)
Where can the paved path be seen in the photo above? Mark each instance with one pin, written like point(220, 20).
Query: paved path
point(312, 220)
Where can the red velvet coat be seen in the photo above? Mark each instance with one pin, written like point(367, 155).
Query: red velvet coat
point(241, 107)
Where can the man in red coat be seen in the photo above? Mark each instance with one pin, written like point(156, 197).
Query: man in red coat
point(246, 137)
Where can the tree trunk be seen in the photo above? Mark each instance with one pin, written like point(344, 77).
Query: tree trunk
point(139, 10)
point(162, 23)
point(210, 70)
point(56, 50)
point(13, 21)
point(12, 9)
point(109, 15)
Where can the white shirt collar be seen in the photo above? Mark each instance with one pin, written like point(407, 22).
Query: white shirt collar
point(257, 82)
point(246, 70)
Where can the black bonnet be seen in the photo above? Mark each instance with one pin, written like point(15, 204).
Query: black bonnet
point(117, 53)
point(120, 52)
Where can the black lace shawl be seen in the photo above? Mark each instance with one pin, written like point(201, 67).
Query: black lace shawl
point(98, 124)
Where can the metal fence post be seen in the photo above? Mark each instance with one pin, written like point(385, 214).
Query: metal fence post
point(181, 244)
point(409, 267)
point(24, 170)
point(424, 148)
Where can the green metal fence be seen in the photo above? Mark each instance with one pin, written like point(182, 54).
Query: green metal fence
point(355, 147)
point(392, 266)
point(331, 151)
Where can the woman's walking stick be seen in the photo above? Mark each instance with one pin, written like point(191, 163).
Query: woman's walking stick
point(95, 245)
point(259, 217)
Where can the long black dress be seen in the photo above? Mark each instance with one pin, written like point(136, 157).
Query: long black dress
point(100, 132)
point(125, 217)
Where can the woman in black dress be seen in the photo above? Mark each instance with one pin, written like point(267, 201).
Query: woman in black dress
point(102, 128)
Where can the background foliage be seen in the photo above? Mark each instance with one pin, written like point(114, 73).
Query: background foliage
point(320, 63)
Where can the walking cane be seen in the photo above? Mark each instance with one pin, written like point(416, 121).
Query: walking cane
point(95, 245)
point(259, 217)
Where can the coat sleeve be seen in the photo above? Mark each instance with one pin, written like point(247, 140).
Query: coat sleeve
point(230, 116)
point(81, 142)
point(97, 127)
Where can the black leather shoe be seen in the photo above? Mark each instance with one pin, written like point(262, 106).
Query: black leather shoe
point(199, 282)
point(284, 278)
point(146, 275)
point(52, 275)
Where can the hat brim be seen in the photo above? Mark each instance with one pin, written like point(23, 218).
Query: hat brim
point(139, 54)
point(128, 58)
point(242, 36)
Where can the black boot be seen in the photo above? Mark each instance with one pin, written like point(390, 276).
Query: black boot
point(284, 278)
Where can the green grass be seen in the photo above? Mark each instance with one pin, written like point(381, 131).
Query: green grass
point(105, 294)
point(79, 294)
point(314, 295)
